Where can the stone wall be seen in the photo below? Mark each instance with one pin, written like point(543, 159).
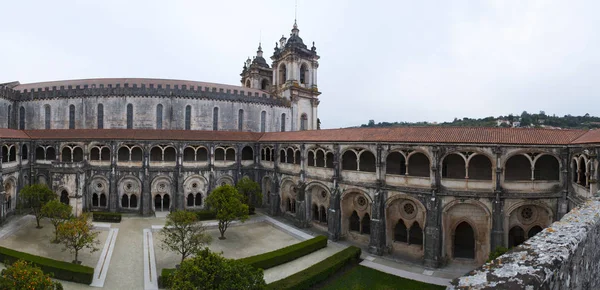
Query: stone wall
point(564, 256)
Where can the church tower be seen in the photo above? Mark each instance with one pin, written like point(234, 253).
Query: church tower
point(295, 78)
point(256, 73)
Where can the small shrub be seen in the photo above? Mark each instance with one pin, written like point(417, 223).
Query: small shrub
point(318, 272)
point(284, 255)
point(59, 269)
point(111, 217)
point(164, 280)
point(498, 251)
point(205, 215)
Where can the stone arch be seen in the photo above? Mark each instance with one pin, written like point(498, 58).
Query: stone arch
point(526, 215)
point(546, 167)
point(418, 163)
point(354, 200)
point(518, 167)
point(161, 192)
point(264, 84)
point(225, 179)
point(196, 186)
point(130, 189)
point(454, 165)
point(10, 188)
point(319, 198)
point(304, 73)
point(464, 240)
point(64, 195)
point(288, 195)
point(247, 153)
point(408, 210)
point(395, 163)
point(303, 122)
point(477, 216)
point(282, 73)
point(349, 160)
point(99, 187)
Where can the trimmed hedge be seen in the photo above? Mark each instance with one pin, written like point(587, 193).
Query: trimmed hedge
point(60, 270)
point(205, 215)
point(284, 255)
point(318, 272)
point(163, 279)
point(112, 217)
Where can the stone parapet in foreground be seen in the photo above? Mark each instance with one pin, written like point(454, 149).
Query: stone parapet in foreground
point(566, 255)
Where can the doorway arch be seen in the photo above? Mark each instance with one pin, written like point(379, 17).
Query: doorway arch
point(464, 241)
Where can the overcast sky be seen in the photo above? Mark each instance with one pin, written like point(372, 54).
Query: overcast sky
point(381, 60)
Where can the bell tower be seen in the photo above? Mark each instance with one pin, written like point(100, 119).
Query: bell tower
point(295, 78)
point(256, 73)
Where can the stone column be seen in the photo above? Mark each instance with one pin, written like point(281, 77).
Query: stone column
point(146, 195)
point(274, 208)
point(433, 232)
point(377, 236)
point(497, 238)
point(563, 202)
point(593, 174)
point(178, 199)
point(113, 193)
point(334, 226)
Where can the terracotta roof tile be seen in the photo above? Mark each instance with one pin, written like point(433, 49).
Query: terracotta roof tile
point(477, 135)
point(136, 134)
point(464, 135)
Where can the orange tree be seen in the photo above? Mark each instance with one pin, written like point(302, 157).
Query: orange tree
point(250, 190)
point(227, 202)
point(77, 234)
point(58, 213)
point(33, 197)
point(22, 275)
point(183, 233)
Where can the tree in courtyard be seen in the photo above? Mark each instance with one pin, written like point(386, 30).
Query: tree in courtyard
point(34, 197)
point(76, 234)
point(227, 202)
point(184, 234)
point(22, 275)
point(208, 270)
point(57, 212)
point(250, 190)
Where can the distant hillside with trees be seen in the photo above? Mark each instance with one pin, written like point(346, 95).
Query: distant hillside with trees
point(527, 120)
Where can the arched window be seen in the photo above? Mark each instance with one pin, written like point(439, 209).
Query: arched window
point(418, 165)
point(100, 116)
point(64, 197)
point(102, 199)
point(367, 162)
point(95, 200)
point(24, 152)
point(67, 155)
point(533, 231)
point(72, 117)
point(247, 153)
point(480, 167)
point(133, 201)
point(241, 120)
point(516, 236)
point(247, 83)
point(315, 212)
point(263, 120)
point(303, 122)
point(190, 199)
point(202, 154)
point(365, 224)
point(546, 168)
point(395, 163)
point(124, 201)
point(517, 167)
point(354, 222)
point(282, 74)
point(453, 166)
point(416, 234)
point(129, 116)
point(198, 200)
point(40, 153)
point(320, 159)
point(189, 154)
point(22, 118)
point(323, 212)
point(400, 232)
point(464, 241)
point(159, 116)
point(283, 122)
point(349, 161)
point(188, 117)
point(47, 116)
point(303, 74)
point(264, 85)
point(220, 154)
point(216, 119)
point(50, 153)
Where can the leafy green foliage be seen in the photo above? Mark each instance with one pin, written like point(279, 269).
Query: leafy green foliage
point(206, 214)
point(360, 277)
point(287, 254)
point(57, 212)
point(208, 270)
point(317, 272)
point(526, 119)
point(183, 234)
point(33, 197)
point(23, 275)
point(61, 270)
point(112, 217)
point(77, 234)
point(251, 192)
point(227, 202)
point(498, 251)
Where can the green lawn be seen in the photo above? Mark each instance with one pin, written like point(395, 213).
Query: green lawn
point(360, 277)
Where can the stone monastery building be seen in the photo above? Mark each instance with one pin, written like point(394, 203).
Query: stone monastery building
point(430, 194)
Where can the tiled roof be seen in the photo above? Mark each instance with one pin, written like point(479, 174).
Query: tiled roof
point(476, 135)
point(137, 134)
point(130, 82)
point(424, 135)
point(591, 136)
